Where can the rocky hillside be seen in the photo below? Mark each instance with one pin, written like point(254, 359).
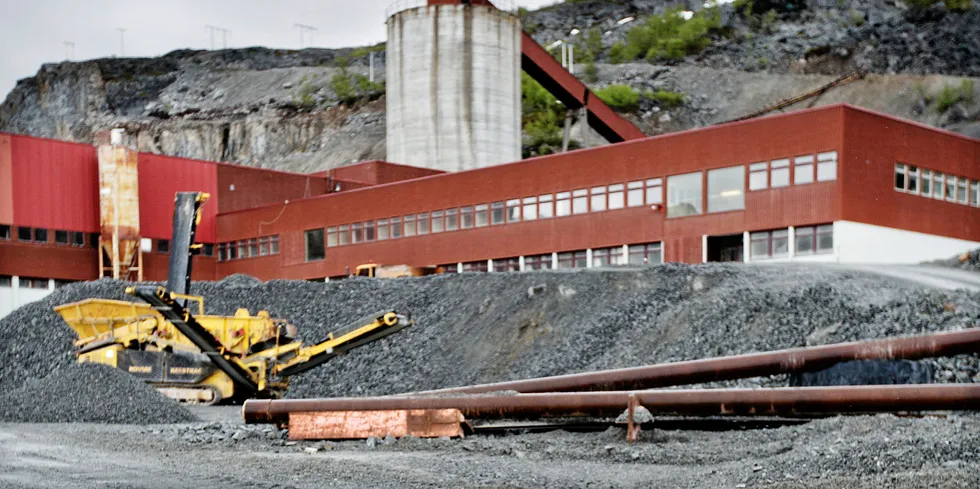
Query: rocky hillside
point(315, 109)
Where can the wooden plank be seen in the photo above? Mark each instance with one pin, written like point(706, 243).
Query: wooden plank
point(346, 425)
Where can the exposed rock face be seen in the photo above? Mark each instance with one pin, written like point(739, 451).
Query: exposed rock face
point(259, 107)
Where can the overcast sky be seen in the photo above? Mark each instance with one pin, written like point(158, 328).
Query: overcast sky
point(32, 32)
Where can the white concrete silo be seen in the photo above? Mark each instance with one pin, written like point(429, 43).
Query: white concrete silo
point(453, 75)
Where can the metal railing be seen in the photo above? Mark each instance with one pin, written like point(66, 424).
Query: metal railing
point(402, 5)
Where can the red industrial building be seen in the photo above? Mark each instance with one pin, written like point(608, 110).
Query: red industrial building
point(837, 183)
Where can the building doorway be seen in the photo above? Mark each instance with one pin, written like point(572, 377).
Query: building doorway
point(726, 248)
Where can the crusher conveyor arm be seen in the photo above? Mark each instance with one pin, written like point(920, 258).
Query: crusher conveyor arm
point(359, 333)
point(168, 306)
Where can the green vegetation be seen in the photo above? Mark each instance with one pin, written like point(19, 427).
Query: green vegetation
point(668, 36)
point(951, 95)
point(857, 18)
point(620, 97)
point(666, 99)
point(591, 72)
point(364, 51)
point(542, 117)
point(955, 5)
point(764, 22)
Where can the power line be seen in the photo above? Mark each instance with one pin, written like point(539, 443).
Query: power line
point(69, 49)
point(122, 42)
point(224, 35)
point(303, 28)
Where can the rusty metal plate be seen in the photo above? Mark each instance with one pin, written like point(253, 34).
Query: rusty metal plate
point(347, 425)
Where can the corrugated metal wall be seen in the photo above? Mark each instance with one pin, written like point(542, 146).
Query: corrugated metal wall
point(55, 184)
point(6, 182)
point(163, 176)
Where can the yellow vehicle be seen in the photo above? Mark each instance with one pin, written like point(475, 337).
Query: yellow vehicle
point(194, 357)
point(375, 270)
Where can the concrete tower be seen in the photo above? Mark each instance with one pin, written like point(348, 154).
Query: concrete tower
point(453, 84)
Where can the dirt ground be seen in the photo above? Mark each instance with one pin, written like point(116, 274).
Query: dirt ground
point(843, 452)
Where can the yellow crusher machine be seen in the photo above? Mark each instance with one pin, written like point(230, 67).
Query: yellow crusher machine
point(193, 357)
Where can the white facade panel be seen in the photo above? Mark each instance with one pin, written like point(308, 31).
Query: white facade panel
point(14, 296)
point(453, 87)
point(867, 243)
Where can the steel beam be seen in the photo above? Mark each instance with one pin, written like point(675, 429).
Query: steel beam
point(786, 401)
point(792, 360)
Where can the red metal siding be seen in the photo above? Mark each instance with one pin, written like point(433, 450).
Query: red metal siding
point(814, 203)
point(733, 144)
point(48, 261)
point(55, 184)
point(873, 144)
point(254, 187)
point(6, 182)
point(155, 267)
point(377, 172)
point(161, 177)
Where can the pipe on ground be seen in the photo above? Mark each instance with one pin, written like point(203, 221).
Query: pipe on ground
point(792, 360)
point(785, 401)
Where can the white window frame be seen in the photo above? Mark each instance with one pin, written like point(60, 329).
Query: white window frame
point(779, 167)
point(617, 196)
point(597, 199)
point(437, 217)
point(804, 165)
point(756, 170)
point(655, 191)
point(827, 166)
point(580, 201)
point(497, 208)
point(530, 208)
point(512, 206)
point(634, 194)
point(546, 207)
point(563, 204)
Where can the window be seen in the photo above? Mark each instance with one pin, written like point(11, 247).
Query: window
point(803, 169)
point(530, 208)
point(726, 189)
point(438, 222)
point(466, 217)
point(804, 241)
point(937, 185)
point(951, 188)
point(827, 166)
point(222, 252)
point(900, 178)
point(617, 199)
point(383, 230)
point(975, 193)
point(343, 235)
point(598, 201)
point(482, 219)
point(163, 246)
point(33, 283)
point(253, 247)
point(514, 210)
point(94, 240)
point(913, 177)
point(769, 244)
point(819, 239)
point(77, 238)
point(580, 201)
point(684, 195)
point(779, 173)
point(40, 235)
point(497, 213)
point(410, 227)
point(61, 237)
point(604, 257)
point(563, 204)
point(207, 249)
point(232, 251)
point(314, 245)
point(396, 227)
point(423, 223)
point(926, 187)
point(369, 233)
point(475, 266)
point(506, 264)
point(274, 245)
point(825, 238)
point(452, 219)
point(961, 191)
point(243, 249)
point(576, 259)
point(332, 237)
point(6, 281)
point(264, 245)
point(758, 176)
point(634, 194)
point(546, 209)
point(537, 262)
point(645, 254)
point(356, 233)
point(655, 191)
point(5, 232)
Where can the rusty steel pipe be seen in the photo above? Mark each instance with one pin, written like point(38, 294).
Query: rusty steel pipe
point(781, 401)
point(739, 366)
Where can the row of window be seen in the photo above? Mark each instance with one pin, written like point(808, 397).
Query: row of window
point(31, 282)
point(640, 254)
point(806, 169)
point(248, 248)
point(936, 185)
point(41, 235)
point(808, 240)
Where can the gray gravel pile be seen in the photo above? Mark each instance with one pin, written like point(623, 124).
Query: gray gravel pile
point(967, 261)
point(89, 393)
point(476, 328)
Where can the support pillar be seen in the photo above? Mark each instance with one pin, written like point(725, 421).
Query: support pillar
point(520, 263)
point(704, 248)
point(554, 260)
point(626, 255)
point(746, 247)
point(792, 242)
point(588, 258)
